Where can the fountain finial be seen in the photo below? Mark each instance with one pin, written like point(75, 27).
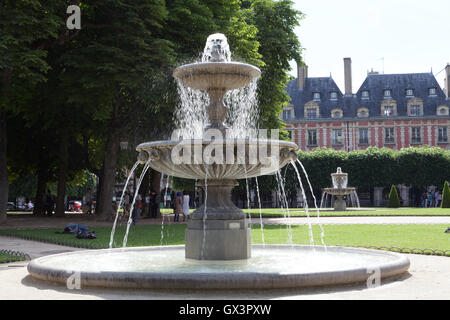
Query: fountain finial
point(216, 49)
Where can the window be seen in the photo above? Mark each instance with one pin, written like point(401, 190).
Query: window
point(365, 94)
point(311, 113)
point(312, 138)
point(388, 111)
point(286, 114)
point(409, 92)
point(290, 134)
point(415, 110)
point(389, 135)
point(363, 136)
point(333, 96)
point(442, 111)
point(387, 93)
point(432, 91)
point(316, 96)
point(415, 135)
point(442, 135)
point(336, 113)
point(363, 112)
point(337, 137)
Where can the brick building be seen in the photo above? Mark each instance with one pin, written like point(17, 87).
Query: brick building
point(388, 110)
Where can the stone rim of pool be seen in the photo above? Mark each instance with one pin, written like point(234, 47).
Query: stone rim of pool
point(390, 264)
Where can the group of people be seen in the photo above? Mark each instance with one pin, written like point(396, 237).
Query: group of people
point(144, 205)
point(431, 199)
point(148, 204)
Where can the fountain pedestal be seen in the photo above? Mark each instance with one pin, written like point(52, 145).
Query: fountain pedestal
point(218, 230)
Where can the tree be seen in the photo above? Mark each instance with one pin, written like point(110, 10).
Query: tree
point(445, 196)
point(275, 22)
point(119, 45)
point(394, 201)
point(24, 24)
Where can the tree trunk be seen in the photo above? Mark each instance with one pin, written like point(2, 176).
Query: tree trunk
point(4, 184)
point(62, 174)
point(40, 192)
point(104, 209)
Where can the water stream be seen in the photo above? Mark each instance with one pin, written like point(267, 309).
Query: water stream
point(322, 231)
point(305, 205)
point(120, 203)
point(136, 193)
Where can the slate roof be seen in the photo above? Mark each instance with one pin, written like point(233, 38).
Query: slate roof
point(375, 84)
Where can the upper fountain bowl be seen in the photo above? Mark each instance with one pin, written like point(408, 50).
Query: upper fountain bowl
point(216, 75)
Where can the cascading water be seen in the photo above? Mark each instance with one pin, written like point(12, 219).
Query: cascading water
point(260, 211)
point(311, 237)
point(283, 198)
point(120, 203)
point(322, 231)
point(130, 219)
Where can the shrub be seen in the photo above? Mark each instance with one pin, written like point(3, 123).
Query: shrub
point(445, 196)
point(394, 201)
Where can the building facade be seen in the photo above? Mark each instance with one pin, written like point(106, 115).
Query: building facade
point(388, 110)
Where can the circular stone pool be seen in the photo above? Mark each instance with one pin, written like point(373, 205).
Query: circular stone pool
point(270, 267)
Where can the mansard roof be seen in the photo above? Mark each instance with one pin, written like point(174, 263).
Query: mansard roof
point(375, 84)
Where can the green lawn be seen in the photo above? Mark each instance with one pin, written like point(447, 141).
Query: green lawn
point(300, 212)
point(412, 236)
point(6, 257)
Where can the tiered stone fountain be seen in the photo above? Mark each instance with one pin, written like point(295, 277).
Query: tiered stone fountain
point(340, 189)
point(218, 253)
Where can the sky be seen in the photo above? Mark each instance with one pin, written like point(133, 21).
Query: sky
point(388, 36)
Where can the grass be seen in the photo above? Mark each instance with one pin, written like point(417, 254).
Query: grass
point(7, 257)
point(410, 236)
point(300, 212)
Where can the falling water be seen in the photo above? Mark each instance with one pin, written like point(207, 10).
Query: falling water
point(248, 195)
point(190, 115)
point(120, 203)
point(204, 211)
point(162, 215)
point(311, 238)
point(321, 200)
point(284, 198)
point(260, 212)
point(243, 112)
point(141, 178)
point(322, 232)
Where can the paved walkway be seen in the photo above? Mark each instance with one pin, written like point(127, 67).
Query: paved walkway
point(427, 278)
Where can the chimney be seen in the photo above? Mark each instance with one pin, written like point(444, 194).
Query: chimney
point(302, 74)
point(447, 81)
point(348, 76)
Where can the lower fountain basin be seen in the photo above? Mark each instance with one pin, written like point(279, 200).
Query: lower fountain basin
point(270, 267)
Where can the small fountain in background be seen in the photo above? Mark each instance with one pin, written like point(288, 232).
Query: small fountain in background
point(340, 190)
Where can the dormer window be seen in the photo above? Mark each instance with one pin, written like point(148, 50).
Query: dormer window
point(363, 113)
point(432, 91)
point(409, 92)
point(388, 111)
point(333, 96)
point(442, 111)
point(316, 96)
point(311, 110)
point(387, 93)
point(365, 94)
point(336, 113)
